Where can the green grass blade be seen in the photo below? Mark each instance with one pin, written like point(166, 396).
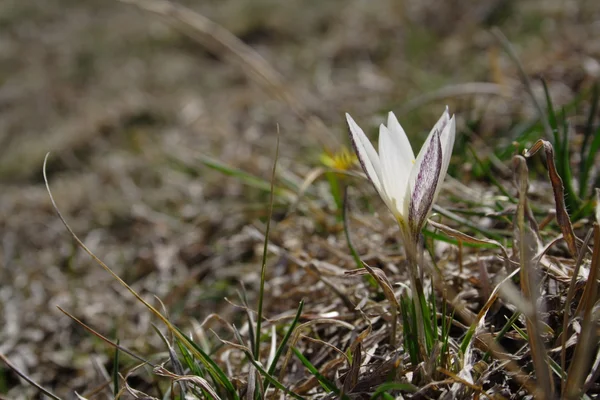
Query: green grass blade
point(286, 338)
point(409, 324)
point(386, 387)
point(269, 378)
point(193, 366)
point(189, 360)
point(503, 331)
point(552, 117)
point(323, 381)
point(572, 197)
point(215, 372)
point(346, 222)
point(246, 178)
point(429, 339)
point(115, 371)
point(263, 267)
point(554, 366)
point(336, 191)
point(433, 311)
point(467, 339)
point(586, 164)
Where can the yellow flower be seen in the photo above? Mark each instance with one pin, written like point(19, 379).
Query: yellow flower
point(342, 160)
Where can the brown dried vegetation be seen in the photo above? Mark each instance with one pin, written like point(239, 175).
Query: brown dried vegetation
point(162, 123)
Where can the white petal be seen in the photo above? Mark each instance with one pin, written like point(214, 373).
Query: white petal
point(403, 147)
point(369, 160)
point(393, 168)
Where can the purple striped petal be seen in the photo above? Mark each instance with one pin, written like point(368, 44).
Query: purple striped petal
point(424, 187)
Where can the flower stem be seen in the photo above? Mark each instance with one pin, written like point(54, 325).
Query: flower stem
point(418, 297)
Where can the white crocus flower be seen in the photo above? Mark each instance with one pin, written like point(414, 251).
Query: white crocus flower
point(408, 186)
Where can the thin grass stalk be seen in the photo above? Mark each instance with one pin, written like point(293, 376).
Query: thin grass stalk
point(580, 365)
point(346, 223)
point(115, 371)
point(528, 287)
point(105, 339)
point(263, 268)
point(27, 378)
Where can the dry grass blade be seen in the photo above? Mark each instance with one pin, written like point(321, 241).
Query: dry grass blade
point(527, 243)
point(309, 179)
point(384, 283)
point(508, 47)
point(582, 356)
point(220, 40)
point(177, 366)
point(480, 319)
point(312, 268)
point(27, 378)
point(468, 317)
point(354, 372)
point(569, 300)
point(328, 345)
point(451, 91)
point(104, 338)
point(251, 389)
point(193, 379)
point(389, 294)
point(211, 366)
point(260, 369)
point(296, 336)
point(94, 257)
point(463, 237)
point(562, 216)
point(457, 378)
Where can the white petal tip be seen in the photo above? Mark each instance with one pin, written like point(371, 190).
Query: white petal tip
point(354, 128)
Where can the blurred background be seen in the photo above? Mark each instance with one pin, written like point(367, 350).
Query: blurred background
point(162, 131)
